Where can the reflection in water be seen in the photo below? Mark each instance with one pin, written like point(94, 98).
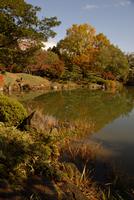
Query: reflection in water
point(119, 136)
point(112, 114)
point(97, 106)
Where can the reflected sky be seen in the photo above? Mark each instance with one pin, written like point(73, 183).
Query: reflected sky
point(118, 137)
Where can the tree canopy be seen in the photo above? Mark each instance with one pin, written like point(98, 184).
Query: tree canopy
point(130, 58)
point(46, 63)
point(85, 52)
point(19, 21)
point(111, 60)
point(78, 39)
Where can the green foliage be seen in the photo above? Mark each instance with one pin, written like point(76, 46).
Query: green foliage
point(130, 58)
point(72, 75)
point(78, 39)
point(111, 59)
point(20, 24)
point(11, 111)
point(25, 154)
point(28, 79)
point(3, 72)
point(71, 171)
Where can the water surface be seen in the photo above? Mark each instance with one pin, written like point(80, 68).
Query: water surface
point(111, 113)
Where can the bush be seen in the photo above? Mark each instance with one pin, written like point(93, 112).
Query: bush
point(47, 63)
point(11, 111)
point(110, 84)
point(23, 155)
point(3, 72)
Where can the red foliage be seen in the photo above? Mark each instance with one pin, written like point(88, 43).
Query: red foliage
point(47, 63)
point(1, 80)
point(108, 75)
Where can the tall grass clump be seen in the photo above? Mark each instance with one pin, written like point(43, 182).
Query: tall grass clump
point(65, 129)
point(81, 179)
point(11, 111)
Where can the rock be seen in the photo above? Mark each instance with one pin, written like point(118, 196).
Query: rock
point(25, 124)
point(26, 87)
point(94, 86)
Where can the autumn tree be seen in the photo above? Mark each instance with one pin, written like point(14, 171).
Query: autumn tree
point(77, 45)
point(87, 53)
point(80, 47)
point(130, 58)
point(46, 63)
point(87, 59)
point(101, 41)
point(78, 39)
point(19, 22)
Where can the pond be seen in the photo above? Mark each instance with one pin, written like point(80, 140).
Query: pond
point(111, 113)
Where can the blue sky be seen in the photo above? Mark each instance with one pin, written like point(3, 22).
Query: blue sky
point(114, 18)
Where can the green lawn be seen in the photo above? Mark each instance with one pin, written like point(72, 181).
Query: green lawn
point(10, 79)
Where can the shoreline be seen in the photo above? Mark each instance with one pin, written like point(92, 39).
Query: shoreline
point(17, 82)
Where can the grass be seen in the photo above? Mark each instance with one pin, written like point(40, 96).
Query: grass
point(81, 180)
point(34, 82)
point(10, 79)
point(75, 161)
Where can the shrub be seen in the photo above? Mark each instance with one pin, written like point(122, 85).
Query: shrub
point(1, 80)
point(47, 64)
point(3, 72)
point(110, 84)
point(11, 111)
point(22, 155)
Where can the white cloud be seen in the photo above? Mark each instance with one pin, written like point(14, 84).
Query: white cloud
point(122, 3)
point(114, 3)
point(49, 44)
point(90, 7)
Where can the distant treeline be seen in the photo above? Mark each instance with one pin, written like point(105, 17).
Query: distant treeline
point(82, 55)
